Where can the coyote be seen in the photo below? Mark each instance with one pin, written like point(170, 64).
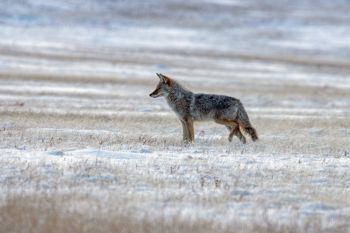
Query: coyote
point(190, 107)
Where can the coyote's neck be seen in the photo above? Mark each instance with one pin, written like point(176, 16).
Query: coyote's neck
point(178, 93)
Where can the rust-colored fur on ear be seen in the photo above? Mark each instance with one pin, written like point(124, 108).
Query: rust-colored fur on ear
point(165, 79)
point(168, 81)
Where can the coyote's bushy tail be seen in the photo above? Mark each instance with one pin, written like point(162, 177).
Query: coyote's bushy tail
point(244, 123)
point(252, 132)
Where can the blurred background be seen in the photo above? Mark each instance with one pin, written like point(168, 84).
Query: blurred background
point(101, 56)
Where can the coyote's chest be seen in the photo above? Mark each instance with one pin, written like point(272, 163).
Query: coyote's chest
point(180, 104)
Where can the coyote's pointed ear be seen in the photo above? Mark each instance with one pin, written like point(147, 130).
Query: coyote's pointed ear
point(159, 76)
point(164, 79)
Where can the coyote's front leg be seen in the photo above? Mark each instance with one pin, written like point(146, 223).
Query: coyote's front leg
point(185, 135)
point(187, 130)
point(189, 122)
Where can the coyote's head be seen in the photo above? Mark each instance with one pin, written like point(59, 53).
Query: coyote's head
point(163, 88)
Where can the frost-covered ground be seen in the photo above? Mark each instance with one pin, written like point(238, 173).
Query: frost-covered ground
point(85, 149)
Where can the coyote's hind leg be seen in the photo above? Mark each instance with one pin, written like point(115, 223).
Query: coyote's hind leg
point(236, 131)
point(233, 128)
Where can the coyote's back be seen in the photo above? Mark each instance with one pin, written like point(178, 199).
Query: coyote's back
point(206, 106)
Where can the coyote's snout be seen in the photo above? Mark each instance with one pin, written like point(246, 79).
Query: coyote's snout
point(190, 107)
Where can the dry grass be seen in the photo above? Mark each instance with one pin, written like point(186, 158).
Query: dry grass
point(182, 189)
point(41, 212)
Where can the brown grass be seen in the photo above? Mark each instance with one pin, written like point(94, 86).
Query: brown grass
point(42, 212)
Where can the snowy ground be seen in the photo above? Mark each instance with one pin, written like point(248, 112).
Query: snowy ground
point(85, 149)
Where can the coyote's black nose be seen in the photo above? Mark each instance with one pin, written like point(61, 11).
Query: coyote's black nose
point(150, 94)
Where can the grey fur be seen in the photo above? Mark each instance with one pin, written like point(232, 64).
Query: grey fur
point(190, 107)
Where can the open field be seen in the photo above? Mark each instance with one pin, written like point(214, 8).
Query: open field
point(85, 149)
